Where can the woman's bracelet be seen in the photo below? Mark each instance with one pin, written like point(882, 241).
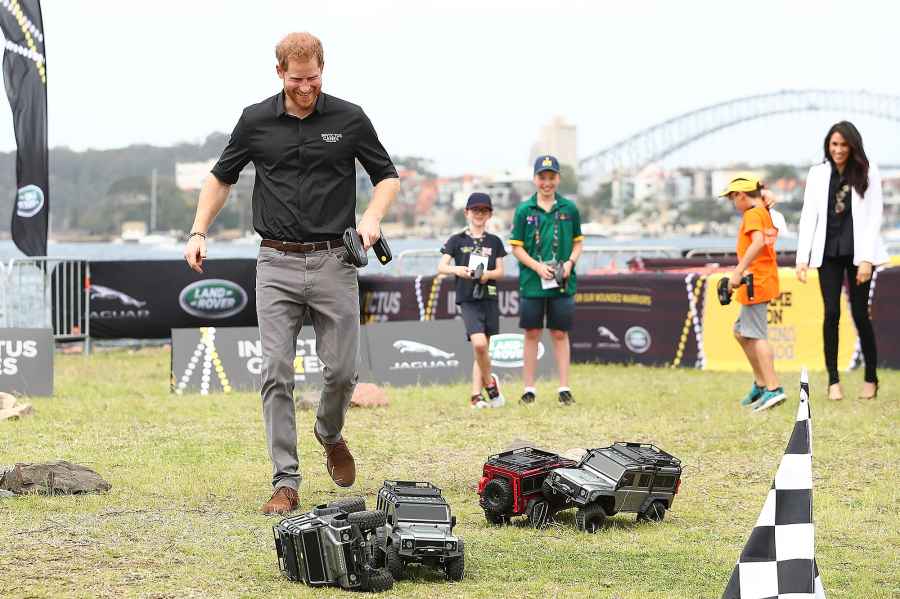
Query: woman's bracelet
point(203, 235)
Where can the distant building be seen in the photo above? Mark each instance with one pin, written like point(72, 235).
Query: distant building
point(559, 139)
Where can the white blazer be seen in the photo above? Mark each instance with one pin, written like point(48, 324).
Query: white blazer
point(866, 212)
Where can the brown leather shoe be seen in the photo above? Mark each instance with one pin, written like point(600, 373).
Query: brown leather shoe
point(283, 500)
point(338, 461)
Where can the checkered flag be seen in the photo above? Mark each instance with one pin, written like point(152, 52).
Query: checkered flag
point(779, 559)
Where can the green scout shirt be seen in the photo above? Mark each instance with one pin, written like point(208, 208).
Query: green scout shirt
point(533, 227)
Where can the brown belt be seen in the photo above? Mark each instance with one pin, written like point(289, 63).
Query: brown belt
point(302, 248)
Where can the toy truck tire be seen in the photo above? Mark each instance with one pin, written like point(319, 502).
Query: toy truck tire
point(498, 496)
point(590, 518)
point(368, 519)
point(393, 562)
point(378, 580)
point(456, 566)
point(655, 512)
point(495, 518)
point(538, 513)
point(349, 505)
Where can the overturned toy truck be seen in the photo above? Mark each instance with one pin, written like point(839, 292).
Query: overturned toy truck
point(333, 545)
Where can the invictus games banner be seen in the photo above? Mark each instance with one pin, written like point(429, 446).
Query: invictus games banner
point(650, 318)
point(25, 78)
point(795, 328)
point(147, 299)
point(26, 361)
point(226, 359)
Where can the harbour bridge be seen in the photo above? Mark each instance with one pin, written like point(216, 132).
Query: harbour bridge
point(654, 143)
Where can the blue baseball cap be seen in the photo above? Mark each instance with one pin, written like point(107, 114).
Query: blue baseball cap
point(546, 163)
point(479, 200)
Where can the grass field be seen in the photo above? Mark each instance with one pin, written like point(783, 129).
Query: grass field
point(189, 474)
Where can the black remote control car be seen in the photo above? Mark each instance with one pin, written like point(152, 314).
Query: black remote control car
point(333, 545)
point(624, 477)
point(419, 529)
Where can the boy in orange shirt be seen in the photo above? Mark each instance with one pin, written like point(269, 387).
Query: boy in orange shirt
point(756, 255)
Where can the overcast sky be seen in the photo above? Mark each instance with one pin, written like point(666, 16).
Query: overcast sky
point(468, 84)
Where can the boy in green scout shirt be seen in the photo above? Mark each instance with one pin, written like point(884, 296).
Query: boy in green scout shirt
point(546, 240)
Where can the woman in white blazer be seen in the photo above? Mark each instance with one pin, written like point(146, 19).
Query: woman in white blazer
point(840, 234)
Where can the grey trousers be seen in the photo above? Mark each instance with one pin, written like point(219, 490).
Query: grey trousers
point(288, 287)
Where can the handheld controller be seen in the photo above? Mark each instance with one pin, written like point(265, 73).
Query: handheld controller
point(478, 289)
point(357, 251)
point(725, 294)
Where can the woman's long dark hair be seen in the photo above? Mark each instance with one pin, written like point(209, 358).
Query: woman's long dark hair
point(857, 169)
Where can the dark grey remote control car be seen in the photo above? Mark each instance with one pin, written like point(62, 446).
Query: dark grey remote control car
point(624, 477)
point(419, 529)
point(333, 544)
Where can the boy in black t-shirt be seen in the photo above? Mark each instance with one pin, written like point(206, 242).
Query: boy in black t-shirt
point(477, 299)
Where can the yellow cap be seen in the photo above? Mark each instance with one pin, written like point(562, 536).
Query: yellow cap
point(741, 182)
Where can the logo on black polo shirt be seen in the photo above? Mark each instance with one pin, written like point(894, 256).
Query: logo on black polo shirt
point(331, 138)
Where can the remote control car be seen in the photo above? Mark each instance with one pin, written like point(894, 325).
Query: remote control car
point(419, 529)
point(333, 545)
point(511, 484)
point(624, 477)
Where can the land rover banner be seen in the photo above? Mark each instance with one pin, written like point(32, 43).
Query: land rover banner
point(25, 78)
point(26, 361)
point(147, 299)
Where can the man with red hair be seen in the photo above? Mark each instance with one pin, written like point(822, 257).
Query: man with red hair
point(304, 144)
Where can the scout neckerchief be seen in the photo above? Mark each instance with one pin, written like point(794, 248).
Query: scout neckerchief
point(554, 245)
point(478, 243)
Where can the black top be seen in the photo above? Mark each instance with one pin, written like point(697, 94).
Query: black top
point(839, 227)
point(461, 246)
point(305, 188)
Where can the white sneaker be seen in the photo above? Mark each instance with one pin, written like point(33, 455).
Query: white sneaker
point(477, 402)
point(495, 397)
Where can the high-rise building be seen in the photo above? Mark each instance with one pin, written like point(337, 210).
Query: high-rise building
point(559, 139)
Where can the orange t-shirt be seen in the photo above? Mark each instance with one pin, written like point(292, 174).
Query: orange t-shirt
point(765, 266)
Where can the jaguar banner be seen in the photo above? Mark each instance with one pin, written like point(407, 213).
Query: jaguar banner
point(25, 79)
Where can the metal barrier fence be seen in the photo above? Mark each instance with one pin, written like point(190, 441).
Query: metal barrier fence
point(425, 262)
point(47, 292)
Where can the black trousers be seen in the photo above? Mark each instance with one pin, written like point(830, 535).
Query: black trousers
point(831, 279)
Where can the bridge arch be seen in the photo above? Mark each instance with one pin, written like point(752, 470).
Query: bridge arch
point(662, 139)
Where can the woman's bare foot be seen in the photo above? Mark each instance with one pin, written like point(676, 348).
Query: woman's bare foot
point(835, 392)
point(869, 390)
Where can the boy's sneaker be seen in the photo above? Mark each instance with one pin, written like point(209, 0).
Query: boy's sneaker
point(769, 399)
point(495, 398)
point(753, 396)
point(478, 402)
point(527, 398)
point(565, 397)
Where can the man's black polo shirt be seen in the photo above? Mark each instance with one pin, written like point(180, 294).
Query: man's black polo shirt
point(305, 188)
